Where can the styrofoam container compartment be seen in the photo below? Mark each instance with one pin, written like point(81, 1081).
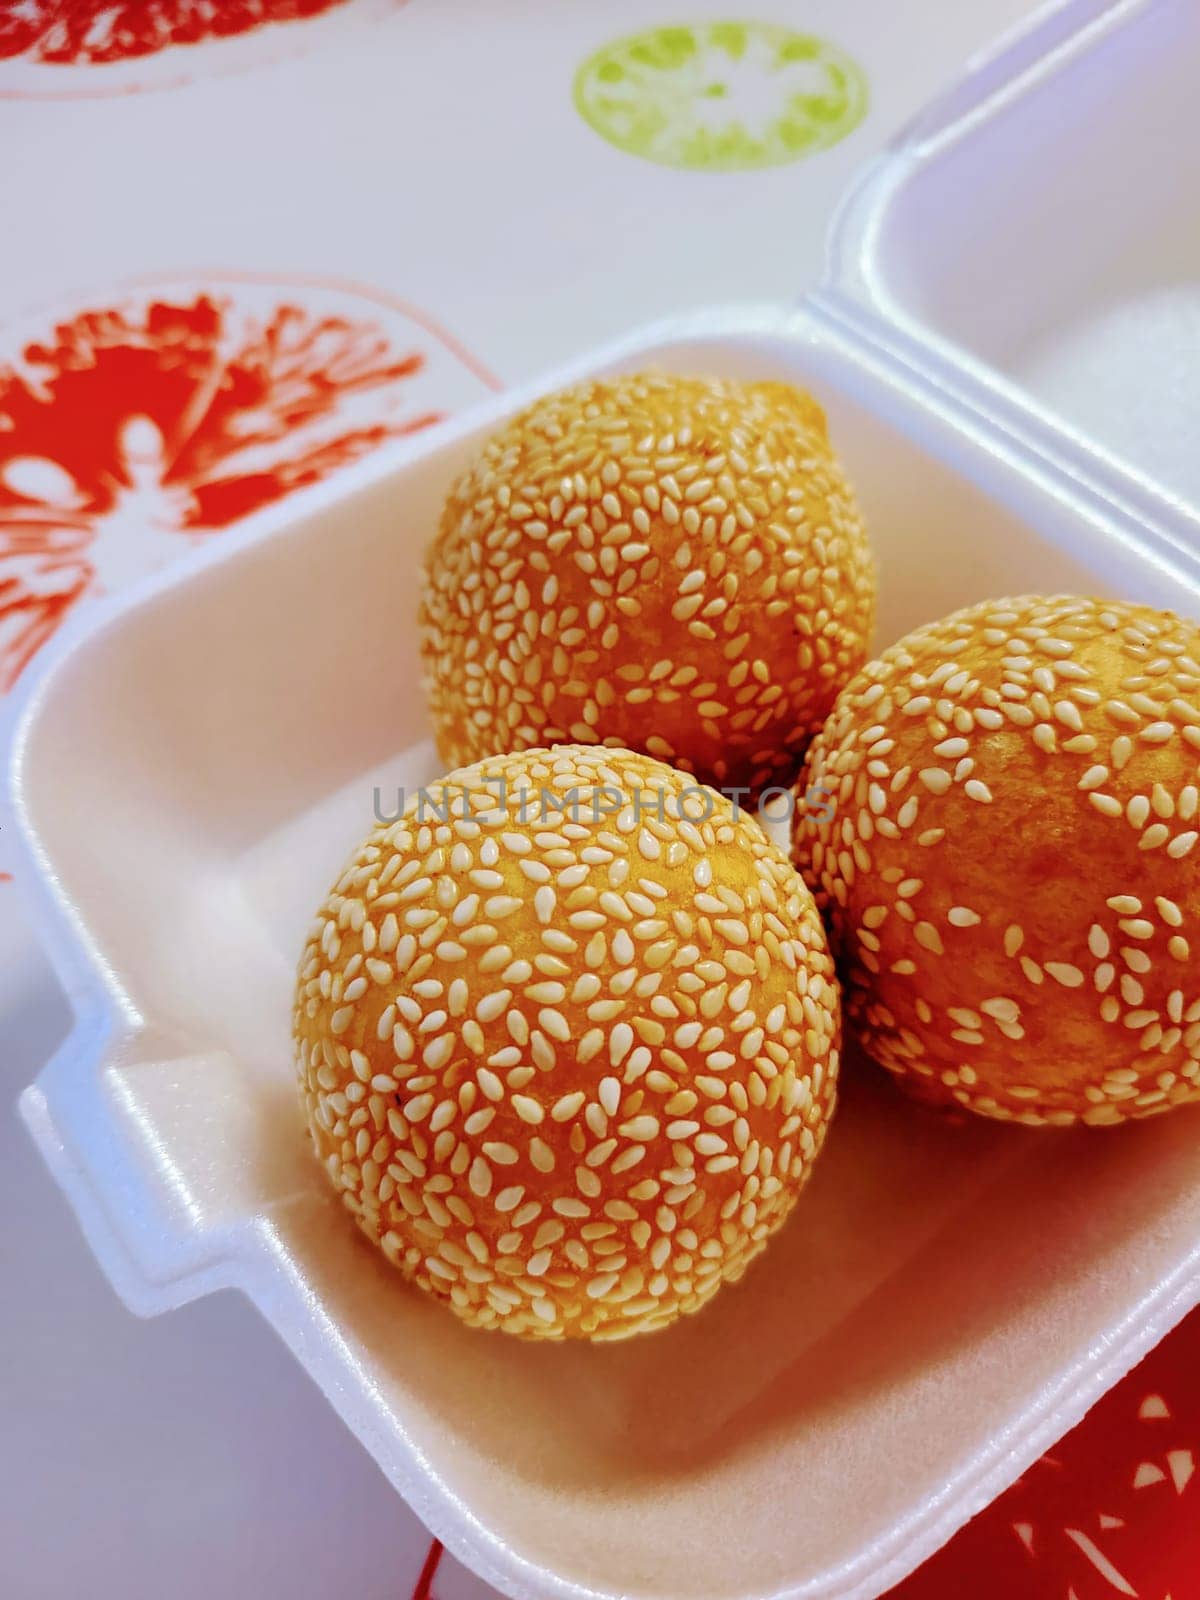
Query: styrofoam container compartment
point(1035, 241)
point(947, 1299)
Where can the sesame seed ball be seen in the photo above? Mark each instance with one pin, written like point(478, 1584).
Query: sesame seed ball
point(675, 565)
point(1008, 859)
point(568, 1069)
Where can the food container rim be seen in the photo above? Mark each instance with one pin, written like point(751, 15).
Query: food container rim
point(859, 291)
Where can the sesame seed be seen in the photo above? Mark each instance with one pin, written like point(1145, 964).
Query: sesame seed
point(502, 1153)
point(1063, 972)
point(490, 1083)
point(1137, 811)
point(640, 1128)
point(1169, 912)
point(1125, 905)
point(541, 1155)
point(1002, 1009)
point(1106, 804)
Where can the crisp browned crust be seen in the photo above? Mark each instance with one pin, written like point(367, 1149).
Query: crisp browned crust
point(676, 565)
point(1012, 877)
point(568, 1070)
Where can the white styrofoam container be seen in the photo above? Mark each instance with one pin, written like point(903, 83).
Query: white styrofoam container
point(1033, 247)
point(187, 778)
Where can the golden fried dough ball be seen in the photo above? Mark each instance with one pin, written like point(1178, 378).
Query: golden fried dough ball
point(672, 564)
point(1012, 871)
point(568, 1055)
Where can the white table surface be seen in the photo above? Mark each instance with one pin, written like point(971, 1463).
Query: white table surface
point(427, 155)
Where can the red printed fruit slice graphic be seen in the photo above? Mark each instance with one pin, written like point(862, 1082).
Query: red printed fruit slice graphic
point(134, 430)
point(89, 47)
point(23, 24)
point(1113, 1509)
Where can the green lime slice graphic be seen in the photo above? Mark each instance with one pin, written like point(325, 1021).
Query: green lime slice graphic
point(721, 96)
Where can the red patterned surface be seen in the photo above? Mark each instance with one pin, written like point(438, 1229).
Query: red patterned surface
point(89, 32)
point(1113, 1510)
point(424, 1586)
point(139, 427)
point(82, 49)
